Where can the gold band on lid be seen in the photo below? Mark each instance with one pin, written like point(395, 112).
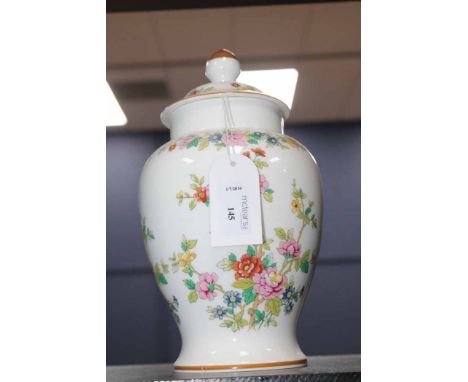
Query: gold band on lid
point(223, 53)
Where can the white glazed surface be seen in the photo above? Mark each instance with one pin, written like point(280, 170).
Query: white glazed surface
point(230, 315)
point(166, 173)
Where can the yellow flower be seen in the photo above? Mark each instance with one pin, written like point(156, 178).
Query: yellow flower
point(296, 206)
point(186, 258)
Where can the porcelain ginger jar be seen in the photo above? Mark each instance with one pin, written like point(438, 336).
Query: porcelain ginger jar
point(236, 306)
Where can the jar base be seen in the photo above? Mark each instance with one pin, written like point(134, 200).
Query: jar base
point(242, 367)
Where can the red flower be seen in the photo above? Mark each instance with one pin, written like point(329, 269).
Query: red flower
point(247, 154)
point(259, 151)
point(200, 194)
point(247, 267)
point(235, 84)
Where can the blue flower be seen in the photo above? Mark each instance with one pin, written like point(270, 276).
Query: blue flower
point(219, 312)
point(215, 138)
point(272, 140)
point(232, 298)
point(288, 293)
point(288, 307)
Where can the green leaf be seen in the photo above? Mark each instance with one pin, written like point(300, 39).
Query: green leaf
point(249, 295)
point(305, 255)
point(201, 180)
point(297, 264)
point(194, 186)
point(280, 233)
point(232, 257)
point(266, 261)
point(273, 322)
point(269, 190)
point(314, 221)
point(242, 323)
point(243, 283)
point(260, 315)
point(238, 316)
point(192, 204)
point(290, 234)
point(193, 143)
point(189, 284)
point(303, 216)
point(207, 203)
point(194, 178)
point(250, 251)
point(191, 244)
point(157, 270)
point(266, 244)
point(253, 141)
point(268, 197)
point(224, 264)
point(188, 270)
point(308, 210)
point(260, 163)
point(273, 306)
point(162, 279)
point(305, 266)
point(183, 245)
point(193, 297)
point(204, 143)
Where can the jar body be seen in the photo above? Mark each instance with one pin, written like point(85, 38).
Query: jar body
point(236, 306)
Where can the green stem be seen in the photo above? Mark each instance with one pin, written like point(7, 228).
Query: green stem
point(285, 263)
point(300, 232)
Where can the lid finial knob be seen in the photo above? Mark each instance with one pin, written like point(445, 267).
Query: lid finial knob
point(222, 66)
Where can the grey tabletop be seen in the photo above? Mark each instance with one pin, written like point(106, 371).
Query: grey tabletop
point(340, 368)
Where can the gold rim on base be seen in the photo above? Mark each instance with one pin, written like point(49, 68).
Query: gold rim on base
point(299, 362)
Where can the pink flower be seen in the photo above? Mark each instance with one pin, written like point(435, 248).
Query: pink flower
point(263, 184)
point(290, 248)
point(235, 138)
point(206, 286)
point(269, 284)
point(184, 141)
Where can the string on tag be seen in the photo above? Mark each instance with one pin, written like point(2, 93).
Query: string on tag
point(228, 125)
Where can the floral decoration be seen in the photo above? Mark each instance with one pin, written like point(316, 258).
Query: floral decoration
point(146, 232)
point(160, 270)
point(261, 288)
point(260, 141)
point(235, 137)
point(201, 193)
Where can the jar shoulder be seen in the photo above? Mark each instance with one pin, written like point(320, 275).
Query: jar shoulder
point(263, 147)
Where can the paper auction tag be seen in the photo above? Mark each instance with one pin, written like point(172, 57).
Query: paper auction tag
point(235, 211)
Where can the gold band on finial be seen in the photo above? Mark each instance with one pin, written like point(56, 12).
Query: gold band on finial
point(223, 53)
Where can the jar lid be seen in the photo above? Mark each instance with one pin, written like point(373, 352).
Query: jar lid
point(222, 69)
